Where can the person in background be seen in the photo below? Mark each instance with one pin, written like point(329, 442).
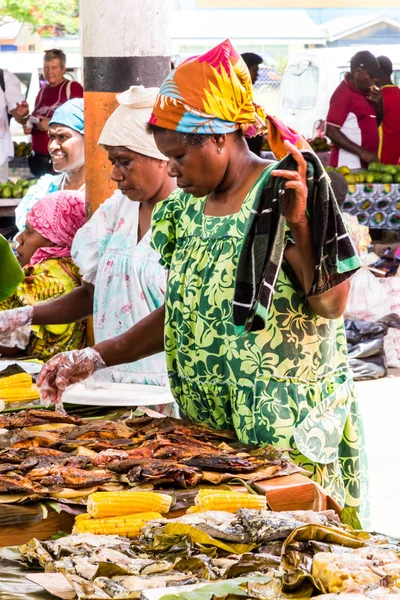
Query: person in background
point(12, 104)
point(57, 91)
point(355, 111)
point(286, 381)
point(66, 146)
point(44, 252)
point(123, 281)
point(389, 130)
point(253, 62)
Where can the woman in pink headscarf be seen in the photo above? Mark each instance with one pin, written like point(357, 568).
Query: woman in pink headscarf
point(44, 252)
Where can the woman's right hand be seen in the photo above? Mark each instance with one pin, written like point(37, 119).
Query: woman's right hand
point(10, 320)
point(63, 370)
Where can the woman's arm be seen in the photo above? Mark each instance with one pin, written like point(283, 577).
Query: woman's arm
point(143, 339)
point(301, 255)
point(70, 308)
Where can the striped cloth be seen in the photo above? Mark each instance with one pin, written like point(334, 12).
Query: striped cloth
point(265, 241)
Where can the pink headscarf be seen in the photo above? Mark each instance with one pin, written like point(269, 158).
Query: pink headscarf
point(57, 217)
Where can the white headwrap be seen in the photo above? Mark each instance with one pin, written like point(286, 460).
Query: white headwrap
point(127, 124)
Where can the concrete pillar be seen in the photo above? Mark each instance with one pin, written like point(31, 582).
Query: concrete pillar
point(124, 43)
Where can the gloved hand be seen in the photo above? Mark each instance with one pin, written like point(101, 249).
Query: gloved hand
point(63, 370)
point(14, 318)
point(15, 327)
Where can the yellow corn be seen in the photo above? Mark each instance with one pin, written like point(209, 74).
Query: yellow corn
point(16, 381)
point(125, 525)
point(228, 501)
point(19, 394)
point(114, 504)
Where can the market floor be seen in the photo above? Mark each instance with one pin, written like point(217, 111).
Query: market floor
point(380, 409)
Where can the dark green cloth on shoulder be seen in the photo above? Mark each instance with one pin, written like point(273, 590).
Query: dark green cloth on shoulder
point(264, 244)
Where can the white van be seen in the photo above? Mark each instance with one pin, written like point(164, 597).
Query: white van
point(312, 76)
point(28, 66)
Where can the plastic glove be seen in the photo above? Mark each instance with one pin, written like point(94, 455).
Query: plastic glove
point(15, 327)
point(10, 320)
point(63, 370)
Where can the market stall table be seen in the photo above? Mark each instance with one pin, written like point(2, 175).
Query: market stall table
point(20, 523)
point(7, 206)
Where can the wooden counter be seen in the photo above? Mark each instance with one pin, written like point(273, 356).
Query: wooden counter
point(20, 523)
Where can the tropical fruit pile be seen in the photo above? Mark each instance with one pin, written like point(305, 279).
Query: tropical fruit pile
point(22, 149)
point(16, 190)
point(376, 173)
point(320, 144)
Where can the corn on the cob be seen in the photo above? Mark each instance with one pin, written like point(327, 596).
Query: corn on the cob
point(15, 381)
point(19, 394)
point(228, 501)
point(114, 504)
point(125, 525)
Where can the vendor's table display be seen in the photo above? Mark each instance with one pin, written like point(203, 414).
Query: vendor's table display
point(238, 551)
point(8, 206)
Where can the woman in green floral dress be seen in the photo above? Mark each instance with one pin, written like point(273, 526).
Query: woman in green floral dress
point(288, 384)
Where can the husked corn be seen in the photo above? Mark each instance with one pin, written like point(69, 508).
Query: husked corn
point(125, 525)
point(228, 501)
point(113, 504)
point(19, 394)
point(15, 381)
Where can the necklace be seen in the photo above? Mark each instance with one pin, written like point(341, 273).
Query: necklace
point(62, 186)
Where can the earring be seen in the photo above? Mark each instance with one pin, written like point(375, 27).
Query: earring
point(219, 150)
point(110, 187)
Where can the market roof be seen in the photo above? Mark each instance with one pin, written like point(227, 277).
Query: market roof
point(342, 27)
point(251, 25)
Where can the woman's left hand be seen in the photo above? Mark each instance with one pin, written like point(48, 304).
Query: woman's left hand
point(295, 200)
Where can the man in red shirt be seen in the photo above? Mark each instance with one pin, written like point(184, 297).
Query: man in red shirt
point(389, 130)
point(355, 111)
point(57, 91)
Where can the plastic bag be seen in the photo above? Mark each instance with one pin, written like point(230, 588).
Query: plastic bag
point(365, 346)
point(64, 370)
point(368, 300)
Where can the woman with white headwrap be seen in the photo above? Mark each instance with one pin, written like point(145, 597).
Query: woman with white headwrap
point(123, 281)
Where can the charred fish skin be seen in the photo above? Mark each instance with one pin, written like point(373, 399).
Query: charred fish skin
point(112, 588)
point(263, 525)
point(85, 589)
point(35, 553)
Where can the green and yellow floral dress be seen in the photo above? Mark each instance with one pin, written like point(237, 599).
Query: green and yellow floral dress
point(288, 385)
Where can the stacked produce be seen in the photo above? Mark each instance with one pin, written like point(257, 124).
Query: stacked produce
point(376, 173)
point(121, 512)
point(17, 386)
point(16, 190)
point(22, 149)
point(320, 144)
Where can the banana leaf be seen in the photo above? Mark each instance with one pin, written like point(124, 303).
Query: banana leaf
point(109, 570)
point(11, 370)
point(252, 563)
point(254, 587)
point(349, 516)
point(165, 546)
point(205, 539)
point(198, 565)
point(301, 545)
point(15, 586)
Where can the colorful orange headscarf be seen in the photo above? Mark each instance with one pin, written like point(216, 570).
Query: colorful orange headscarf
point(213, 94)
